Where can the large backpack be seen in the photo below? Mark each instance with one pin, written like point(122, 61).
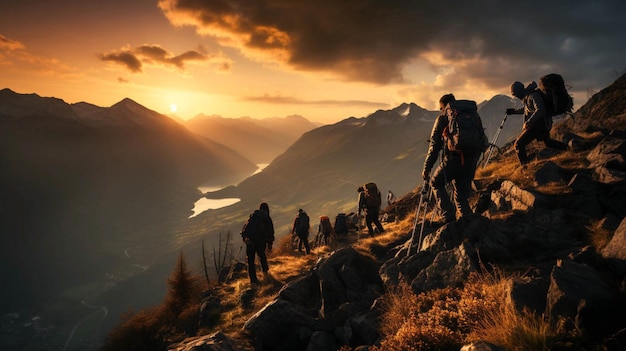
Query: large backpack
point(254, 227)
point(303, 223)
point(341, 224)
point(464, 133)
point(555, 95)
point(372, 195)
point(325, 225)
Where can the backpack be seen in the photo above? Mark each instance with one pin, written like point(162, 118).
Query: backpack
point(254, 227)
point(372, 195)
point(325, 225)
point(303, 223)
point(341, 224)
point(464, 133)
point(555, 95)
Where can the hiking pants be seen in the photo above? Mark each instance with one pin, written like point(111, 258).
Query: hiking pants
point(304, 240)
point(252, 249)
point(459, 172)
point(371, 216)
point(528, 135)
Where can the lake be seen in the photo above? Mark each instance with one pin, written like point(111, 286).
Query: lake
point(204, 204)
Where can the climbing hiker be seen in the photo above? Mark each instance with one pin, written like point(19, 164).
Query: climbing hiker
point(258, 235)
point(301, 229)
point(369, 201)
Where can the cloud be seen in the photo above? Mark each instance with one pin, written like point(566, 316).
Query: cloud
point(372, 41)
point(286, 100)
point(134, 59)
point(15, 54)
point(9, 44)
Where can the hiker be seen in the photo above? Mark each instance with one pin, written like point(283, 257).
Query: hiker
point(537, 122)
point(391, 198)
point(369, 201)
point(342, 224)
point(301, 229)
point(456, 168)
point(325, 230)
point(258, 235)
point(352, 222)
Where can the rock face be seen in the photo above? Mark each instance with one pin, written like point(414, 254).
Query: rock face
point(324, 309)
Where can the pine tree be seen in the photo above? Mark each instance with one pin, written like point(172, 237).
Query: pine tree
point(182, 289)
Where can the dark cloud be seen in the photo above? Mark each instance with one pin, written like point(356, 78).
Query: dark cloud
point(134, 59)
point(124, 58)
point(495, 42)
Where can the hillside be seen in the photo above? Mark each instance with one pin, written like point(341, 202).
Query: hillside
point(82, 185)
point(542, 266)
point(257, 140)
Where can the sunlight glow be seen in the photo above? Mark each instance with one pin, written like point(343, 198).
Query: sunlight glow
point(173, 107)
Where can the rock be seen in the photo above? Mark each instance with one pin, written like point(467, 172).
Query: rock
point(515, 197)
point(212, 342)
point(282, 325)
point(481, 346)
point(322, 341)
point(578, 293)
point(449, 268)
point(347, 276)
point(528, 293)
point(548, 173)
point(304, 291)
point(616, 248)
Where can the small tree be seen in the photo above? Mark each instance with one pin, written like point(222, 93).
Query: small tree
point(182, 289)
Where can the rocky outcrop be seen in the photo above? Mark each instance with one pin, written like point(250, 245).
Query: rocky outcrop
point(327, 308)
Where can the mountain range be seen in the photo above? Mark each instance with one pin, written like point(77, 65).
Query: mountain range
point(257, 140)
point(91, 193)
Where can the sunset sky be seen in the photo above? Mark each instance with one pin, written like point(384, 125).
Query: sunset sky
point(325, 60)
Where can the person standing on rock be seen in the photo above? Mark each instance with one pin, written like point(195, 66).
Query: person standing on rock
point(258, 235)
point(455, 168)
point(537, 123)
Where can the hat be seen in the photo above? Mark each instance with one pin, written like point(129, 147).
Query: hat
point(300, 210)
point(517, 89)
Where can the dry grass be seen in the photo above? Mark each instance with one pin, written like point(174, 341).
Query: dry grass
point(598, 236)
point(444, 319)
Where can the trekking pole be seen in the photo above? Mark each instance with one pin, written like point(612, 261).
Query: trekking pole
point(492, 145)
point(419, 242)
point(417, 211)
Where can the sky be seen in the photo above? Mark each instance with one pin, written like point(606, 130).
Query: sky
point(325, 60)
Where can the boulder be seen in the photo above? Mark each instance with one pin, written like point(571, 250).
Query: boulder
point(449, 268)
point(578, 294)
point(616, 248)
point(549, 173)
point(282, 325)
point(217, 341)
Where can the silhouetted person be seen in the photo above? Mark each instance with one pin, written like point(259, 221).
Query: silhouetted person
point(369, 201)
point(258, 235)
point(301, 228)
point(537, 123)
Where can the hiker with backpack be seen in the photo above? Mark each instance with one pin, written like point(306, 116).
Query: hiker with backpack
point(539, 107)
point(301, 229)
point(258, 235)
point(369, 201)
point(324, 231)
point(458, 131)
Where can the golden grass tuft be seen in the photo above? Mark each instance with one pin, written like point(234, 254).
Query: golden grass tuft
point(444, 319)
point(598, 236)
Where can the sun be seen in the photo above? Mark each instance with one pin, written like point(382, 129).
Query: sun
point(173, 107)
